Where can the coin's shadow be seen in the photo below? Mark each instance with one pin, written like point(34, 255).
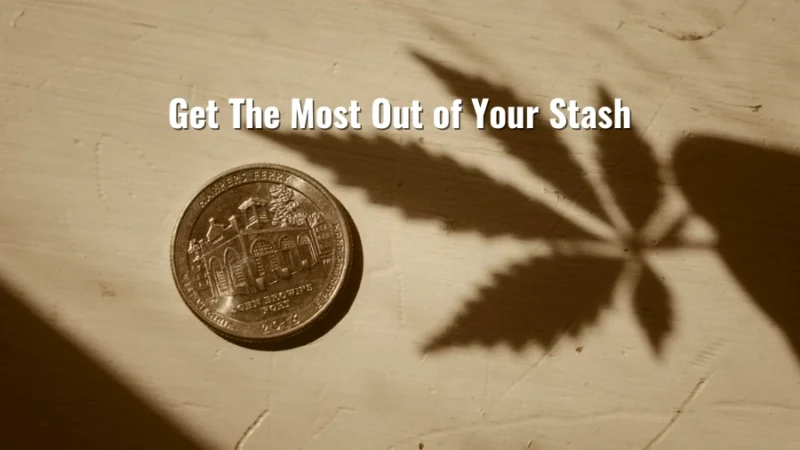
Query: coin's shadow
point(334, 313)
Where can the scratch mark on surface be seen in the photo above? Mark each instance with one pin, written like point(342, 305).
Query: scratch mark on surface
point(98, 150)
point(756, 407)
point(754, 108)
point(192, 91)
point(327, 424)
point(740, 7)
point(677, 415)
point(192, 405)
point(251, 429)
point(547, 419)
point(690, 36)
point(521, 378)
point(16, 18)
point(401, 305)
point(145, 25)
point(534, 366)
point(660, 108)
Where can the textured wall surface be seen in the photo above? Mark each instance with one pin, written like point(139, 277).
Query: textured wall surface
point(624, 289)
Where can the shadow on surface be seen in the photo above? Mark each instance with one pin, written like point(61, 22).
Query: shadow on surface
point(751, 196)
point(548, 296)
point(340, 304)
point(565, 290)
point(540, 150)
point(54, 396)
point(424, 186)
point(533, 302)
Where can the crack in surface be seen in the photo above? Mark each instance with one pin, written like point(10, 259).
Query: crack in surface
point(677, 415)
point(251, 429)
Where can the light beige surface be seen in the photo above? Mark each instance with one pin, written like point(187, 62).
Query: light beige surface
point(93, 180)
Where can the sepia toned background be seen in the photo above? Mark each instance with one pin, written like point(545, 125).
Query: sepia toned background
point(628, 289)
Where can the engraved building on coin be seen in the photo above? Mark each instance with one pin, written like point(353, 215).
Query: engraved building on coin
point(260, 252)
point(266, 242)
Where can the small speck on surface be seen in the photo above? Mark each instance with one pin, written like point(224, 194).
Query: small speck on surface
point(421, 446)
point(579, 349)
point(106, 291)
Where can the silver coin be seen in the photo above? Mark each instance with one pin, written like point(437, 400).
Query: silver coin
point(260, 252)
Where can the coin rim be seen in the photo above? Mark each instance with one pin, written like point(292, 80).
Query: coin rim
point(348, 252)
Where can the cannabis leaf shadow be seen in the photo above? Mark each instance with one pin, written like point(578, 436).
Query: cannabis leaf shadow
point(540, 300)
point(565, 292)
point(566, 289)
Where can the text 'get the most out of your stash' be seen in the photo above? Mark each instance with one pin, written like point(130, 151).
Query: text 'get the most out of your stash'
point(305, 114)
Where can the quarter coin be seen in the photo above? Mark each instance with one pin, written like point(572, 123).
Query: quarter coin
point(260, 252)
